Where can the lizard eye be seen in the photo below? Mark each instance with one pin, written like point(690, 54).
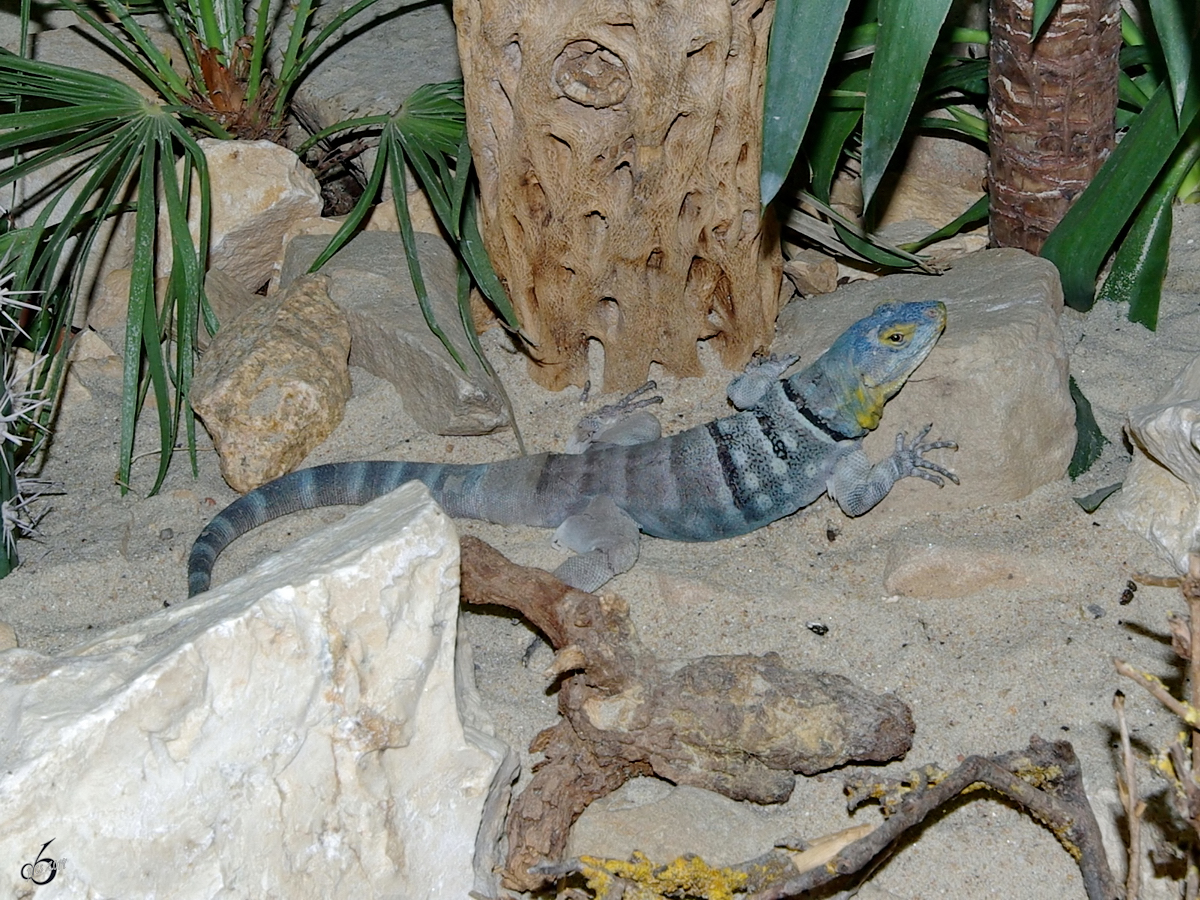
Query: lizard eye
point(895, 337)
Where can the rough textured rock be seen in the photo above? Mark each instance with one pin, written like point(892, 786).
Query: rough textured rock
point(388, 58)
point(1161, 496)
point(226, 295)
point(369, 280)
point(616, 147)
point(302, 731)
point(996, 382)
point(8, 637)
point(259, 190)
point(274, 382)
point(937, 181)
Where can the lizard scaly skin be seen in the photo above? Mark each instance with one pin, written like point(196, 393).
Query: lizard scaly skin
point(792, 441)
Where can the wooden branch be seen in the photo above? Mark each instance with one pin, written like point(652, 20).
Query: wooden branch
point(738, 725)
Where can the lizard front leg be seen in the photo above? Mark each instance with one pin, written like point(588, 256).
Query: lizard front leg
point(761, 374)
point(857, 485)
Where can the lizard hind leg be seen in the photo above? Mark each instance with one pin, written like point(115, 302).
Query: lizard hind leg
point(606, 540)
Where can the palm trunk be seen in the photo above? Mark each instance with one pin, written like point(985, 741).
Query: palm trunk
point(1051, 112)
point(617, 144)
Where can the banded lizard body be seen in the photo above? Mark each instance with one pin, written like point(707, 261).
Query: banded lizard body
point(793, 440)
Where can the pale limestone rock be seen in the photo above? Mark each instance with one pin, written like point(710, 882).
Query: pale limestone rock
point(937, 181)
point(298, 732)
point(370, 281)
point(259, 190)
point(996, 382)
point(274, 383)
point(8, 637)
point(1160, 499)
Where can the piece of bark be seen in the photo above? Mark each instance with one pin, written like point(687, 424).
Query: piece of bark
point(738, 725)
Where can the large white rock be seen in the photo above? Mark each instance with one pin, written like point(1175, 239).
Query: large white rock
point(293, 733)
point(1160, 499)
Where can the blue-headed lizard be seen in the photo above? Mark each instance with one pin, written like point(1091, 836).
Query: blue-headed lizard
point(793, 440)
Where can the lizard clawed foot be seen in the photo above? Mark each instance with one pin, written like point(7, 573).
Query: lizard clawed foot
point(621, 423)
point(774, 364)
point(911, 456)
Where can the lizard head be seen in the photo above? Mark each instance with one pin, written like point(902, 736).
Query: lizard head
point(876, 355)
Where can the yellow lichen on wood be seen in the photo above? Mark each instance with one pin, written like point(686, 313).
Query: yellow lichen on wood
point(686, 876)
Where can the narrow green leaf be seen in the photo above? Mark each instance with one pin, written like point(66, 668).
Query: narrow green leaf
point(908, 29)
point(361, 207)
point(1080, 242)
point(184, 303)
point(258, 51)
point(1089, 441)
point(476, 258)
point(803, 37)
point(1175, 36)
point(468, 324)
point(827, 141)
point(1140, 265)
point(138, 50)
point(1042, 10)
point(139, 312)
point(458, 191)
point(400, 198)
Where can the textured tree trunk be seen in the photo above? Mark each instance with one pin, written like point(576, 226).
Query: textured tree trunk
point(1051, 112)
point(617, 144)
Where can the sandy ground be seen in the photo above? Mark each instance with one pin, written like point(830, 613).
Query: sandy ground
point(982, 673)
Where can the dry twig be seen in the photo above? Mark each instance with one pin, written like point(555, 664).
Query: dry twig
point(1045, 780)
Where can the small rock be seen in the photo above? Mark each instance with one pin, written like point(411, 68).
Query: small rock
point(812, 273)
point(274, 383)
point(1160, 499)
point(369, 280)
point(107, 314)
point(110, 303)
point(937, 181)
point(303, 731)
point(8, 637)
point(996, 382)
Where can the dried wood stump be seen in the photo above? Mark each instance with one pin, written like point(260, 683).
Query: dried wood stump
point(617, 144)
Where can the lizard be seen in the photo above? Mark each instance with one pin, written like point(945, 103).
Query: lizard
point(791, 440)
